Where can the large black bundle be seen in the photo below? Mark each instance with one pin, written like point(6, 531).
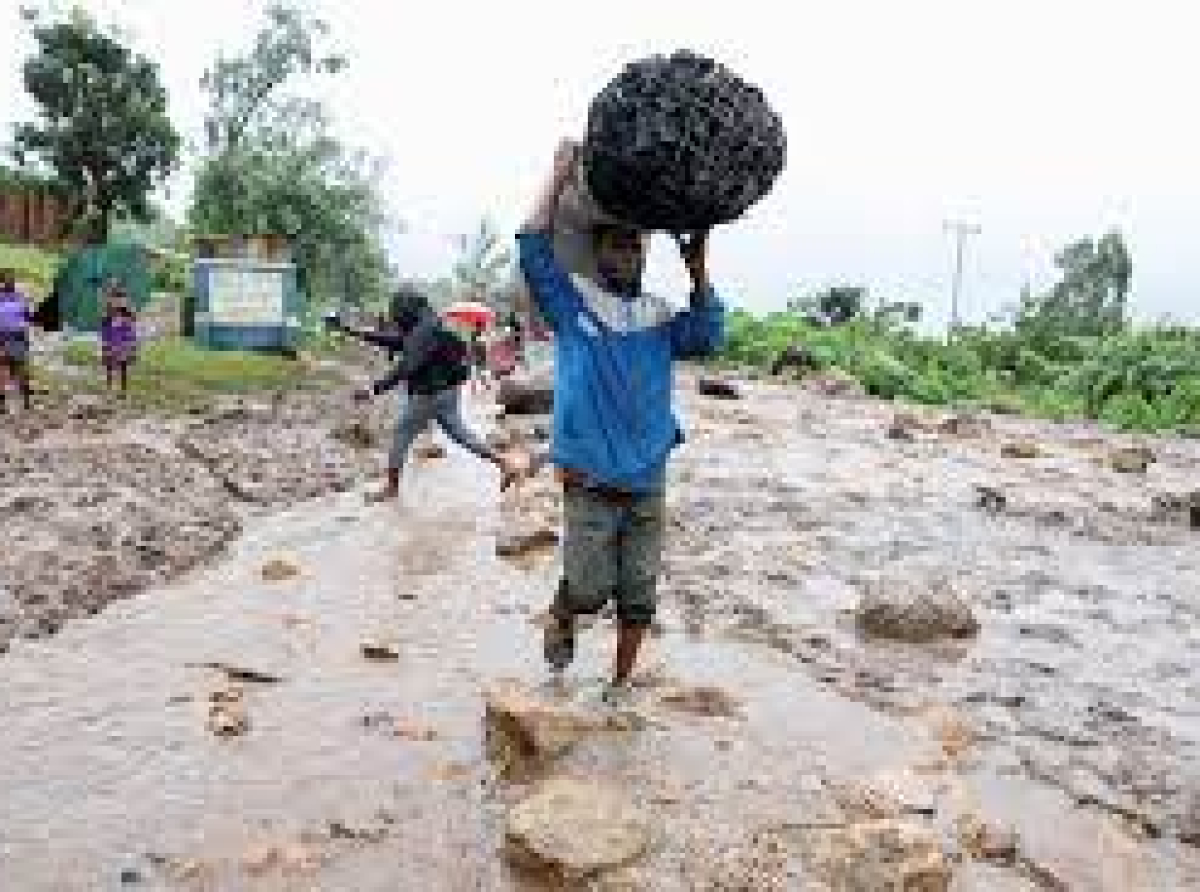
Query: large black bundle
point(681, 144)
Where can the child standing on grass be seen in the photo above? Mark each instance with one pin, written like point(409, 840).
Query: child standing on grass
point(118, 337)
point(14, 339)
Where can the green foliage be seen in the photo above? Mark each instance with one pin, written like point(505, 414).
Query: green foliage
point(244, 91)
point(102, 127)
point(1145, 380)
point(1069, 355)
point(483, 263)
point(34, 267)
point(17, 179)
point(1090, 299)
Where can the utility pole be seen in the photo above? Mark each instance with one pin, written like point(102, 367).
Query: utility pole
point(960, 230)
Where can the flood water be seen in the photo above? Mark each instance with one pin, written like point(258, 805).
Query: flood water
point(1076, 704)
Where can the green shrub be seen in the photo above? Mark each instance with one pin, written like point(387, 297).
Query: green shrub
point(1147, 379)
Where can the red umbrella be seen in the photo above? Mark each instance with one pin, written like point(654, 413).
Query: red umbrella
point(471, 313)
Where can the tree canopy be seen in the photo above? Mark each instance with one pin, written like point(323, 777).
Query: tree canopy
point(274, 166)
point(102, 126)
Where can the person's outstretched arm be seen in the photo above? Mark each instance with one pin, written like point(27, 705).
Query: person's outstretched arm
point(551, 288)
point(414, 350)
point(700, 329)
point(387, 340)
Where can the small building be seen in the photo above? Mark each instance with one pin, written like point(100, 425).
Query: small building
point(244, 295)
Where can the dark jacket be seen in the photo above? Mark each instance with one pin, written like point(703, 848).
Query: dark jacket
point(432, 358)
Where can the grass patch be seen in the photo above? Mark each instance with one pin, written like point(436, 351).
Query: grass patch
point(35, 267)
point(173, 374)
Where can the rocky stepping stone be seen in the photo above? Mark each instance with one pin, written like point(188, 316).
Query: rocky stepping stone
point(576, 830)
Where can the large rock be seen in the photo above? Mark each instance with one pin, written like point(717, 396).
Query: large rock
point(526, 396)
point(576, 829)
point(879, 856)
point(1177, 508)
point(527, 731)
point(1131, 460)
point(835, 383)
point(915, 610)
point(795, 357)
point(965, 425)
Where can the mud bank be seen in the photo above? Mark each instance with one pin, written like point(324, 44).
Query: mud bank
point(100, 504)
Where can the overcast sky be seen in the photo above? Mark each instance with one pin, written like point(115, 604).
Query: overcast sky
point(1042, 120)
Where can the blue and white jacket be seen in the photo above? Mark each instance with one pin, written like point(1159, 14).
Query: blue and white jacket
point(613, 382)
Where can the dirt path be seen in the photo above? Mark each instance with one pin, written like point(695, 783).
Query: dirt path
point(361, 774)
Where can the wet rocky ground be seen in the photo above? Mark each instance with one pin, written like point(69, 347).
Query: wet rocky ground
point(1080, 567)
point(897, 650)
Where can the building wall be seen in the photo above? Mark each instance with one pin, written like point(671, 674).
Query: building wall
point(31, 216)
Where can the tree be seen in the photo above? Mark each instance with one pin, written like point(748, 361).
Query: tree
point(243, 90)
point(483, 263)
point(102, 128)
point(833, 306)
point(274, 166)
point(1091, 297)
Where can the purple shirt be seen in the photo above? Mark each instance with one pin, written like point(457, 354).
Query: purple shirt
point(119, 332)
point(14, 313)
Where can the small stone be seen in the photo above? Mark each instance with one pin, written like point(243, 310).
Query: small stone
point(1022, 449)
point(718, 389)
point(227, 695)
point(953, 733)
point(985, 841)
point(130, 876)
point(431, 451)
point(991, 499)
point(297, 857)
point(409, 729)
point(343, 830)
point(260, 859)
point(904, 427)
point(224, 723)
point(278, 570)
point(965, 425)
point(516, 544)
point(227, 716)
point(575, 830)
point(357, 434)
point(451, 771)
point(704, 700)
point(835, 383)
point(185, 870)
point(379, 651)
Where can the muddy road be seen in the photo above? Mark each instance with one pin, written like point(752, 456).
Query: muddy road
point(299, 691)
